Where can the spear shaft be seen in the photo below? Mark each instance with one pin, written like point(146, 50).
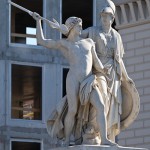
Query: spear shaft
point(27, 11)
point(20, 7)
point(54, 24)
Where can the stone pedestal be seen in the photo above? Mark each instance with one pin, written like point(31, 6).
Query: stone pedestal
point(91, 147)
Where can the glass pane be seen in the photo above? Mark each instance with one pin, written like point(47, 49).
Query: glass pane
point(31, 41)
point(26, 92)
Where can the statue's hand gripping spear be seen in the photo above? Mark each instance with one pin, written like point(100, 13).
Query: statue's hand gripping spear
point(62, 28)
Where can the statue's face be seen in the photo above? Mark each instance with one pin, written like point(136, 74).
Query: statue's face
point(106, 18)
point(78, 28)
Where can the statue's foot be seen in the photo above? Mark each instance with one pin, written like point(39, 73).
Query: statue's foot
point(108, 142)
point(67, 142)
point(63, 143)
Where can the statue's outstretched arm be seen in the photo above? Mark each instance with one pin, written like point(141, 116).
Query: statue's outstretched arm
point(60, 27)
point(49, 43)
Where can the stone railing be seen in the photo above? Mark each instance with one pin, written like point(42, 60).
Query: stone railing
point(131, 13)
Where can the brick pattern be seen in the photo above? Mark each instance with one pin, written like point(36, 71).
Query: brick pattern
point(137, 61)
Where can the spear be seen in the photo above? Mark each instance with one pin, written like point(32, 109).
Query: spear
point(20, 7)
point(53, 24)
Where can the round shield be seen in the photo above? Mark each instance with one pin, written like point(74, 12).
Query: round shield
point(130, 104)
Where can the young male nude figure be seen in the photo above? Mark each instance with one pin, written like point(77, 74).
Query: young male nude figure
point(81, 56)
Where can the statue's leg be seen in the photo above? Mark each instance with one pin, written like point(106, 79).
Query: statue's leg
point(72, 99)
point(103, 89)
point(96, 100)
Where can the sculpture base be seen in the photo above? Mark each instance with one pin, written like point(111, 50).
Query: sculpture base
point(93, 147)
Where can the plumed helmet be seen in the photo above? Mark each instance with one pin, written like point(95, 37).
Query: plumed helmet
point(109, 8)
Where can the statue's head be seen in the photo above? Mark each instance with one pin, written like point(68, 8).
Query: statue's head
point(71, 22)
point(108, 10)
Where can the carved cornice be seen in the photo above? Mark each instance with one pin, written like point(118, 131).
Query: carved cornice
point(119, 2)
point(132, 13)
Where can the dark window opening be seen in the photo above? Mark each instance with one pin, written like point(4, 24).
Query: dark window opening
point(26, 92)
point(64, 76)
point(18, 145)
point(114, 25)
point(23, 26)
point(78, 8)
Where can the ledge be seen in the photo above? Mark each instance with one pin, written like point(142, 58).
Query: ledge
point(132, 24)
point(91, 147)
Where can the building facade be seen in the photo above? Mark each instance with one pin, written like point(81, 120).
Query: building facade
point(133, 23)
point(32, 77)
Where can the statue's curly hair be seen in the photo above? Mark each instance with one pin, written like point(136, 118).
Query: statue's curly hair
point(72, 21)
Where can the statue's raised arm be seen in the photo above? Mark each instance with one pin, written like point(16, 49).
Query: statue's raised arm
point(41, 40)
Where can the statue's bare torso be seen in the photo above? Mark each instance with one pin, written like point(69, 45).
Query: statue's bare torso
point(79, 56)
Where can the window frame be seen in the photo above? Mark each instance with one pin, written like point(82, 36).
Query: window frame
point(2, 93)
point(23, 122)
point(25, 140)
point(22, 44)
point(94, 12)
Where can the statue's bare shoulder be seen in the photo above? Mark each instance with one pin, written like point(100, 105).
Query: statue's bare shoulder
point(88, 42)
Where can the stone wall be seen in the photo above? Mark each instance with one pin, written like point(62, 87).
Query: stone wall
point(136, 39)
